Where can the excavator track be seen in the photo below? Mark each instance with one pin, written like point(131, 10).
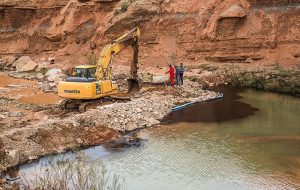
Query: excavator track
point(82, 106)
point(70, 104)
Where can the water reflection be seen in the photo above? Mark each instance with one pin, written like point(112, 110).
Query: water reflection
point(225, 109)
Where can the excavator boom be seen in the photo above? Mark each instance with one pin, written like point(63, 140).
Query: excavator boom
point(105, 60)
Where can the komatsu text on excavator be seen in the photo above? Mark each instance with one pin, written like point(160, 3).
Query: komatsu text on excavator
point(90, 82)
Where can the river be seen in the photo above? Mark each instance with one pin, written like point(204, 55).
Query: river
point(248, 140)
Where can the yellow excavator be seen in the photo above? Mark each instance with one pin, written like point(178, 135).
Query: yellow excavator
point(91, 82)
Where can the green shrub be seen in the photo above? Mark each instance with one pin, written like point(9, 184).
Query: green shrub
point(124, 4)
point(91, 59)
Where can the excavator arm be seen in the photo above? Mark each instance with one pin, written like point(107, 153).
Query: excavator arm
point(105, 60)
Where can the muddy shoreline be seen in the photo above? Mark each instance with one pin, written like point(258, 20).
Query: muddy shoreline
point(48, 131)
point(160, 133)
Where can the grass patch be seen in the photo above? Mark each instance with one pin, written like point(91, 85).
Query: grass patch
point(207, 67)
point(81, 173)
point(282, 81)
point(91, 59)
point(192, 78)
point(148, 77)
point(124, 4)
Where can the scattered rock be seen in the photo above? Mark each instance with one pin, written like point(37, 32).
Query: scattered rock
point(160, 79)
point(14, 86)
point(2, 117)
point(2, 65)
point(93, 45)
point(52, 60)
point(79, 141)
point(138, 110)
point(42, 66)
point(54, 74)
point(32, 157)
point(249, 60)
point(60, 149)
point(13, 156)
point(17, 75)
point(10, 60)
point(40, 77)
point(124, 142)
point(53, 37)
point(148, 109)
point(52, 84)
point(25, 64)
point(16, 114)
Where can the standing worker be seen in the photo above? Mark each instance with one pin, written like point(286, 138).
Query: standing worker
point(177, 75)
point(172, 73)
point(181, 71)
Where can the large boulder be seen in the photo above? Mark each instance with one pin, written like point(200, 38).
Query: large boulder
point(25, 64)
point(160, 79)
point(10, 60)
point(54, 75)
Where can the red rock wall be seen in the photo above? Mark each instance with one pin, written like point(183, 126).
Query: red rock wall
point(173, 31)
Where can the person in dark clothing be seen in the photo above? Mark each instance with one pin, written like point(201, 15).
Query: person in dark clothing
point(181, 71)
point(177, 76)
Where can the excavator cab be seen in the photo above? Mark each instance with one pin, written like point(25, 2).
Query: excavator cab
point(82, 73)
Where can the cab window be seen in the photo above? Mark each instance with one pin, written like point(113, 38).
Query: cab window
point(84, 73)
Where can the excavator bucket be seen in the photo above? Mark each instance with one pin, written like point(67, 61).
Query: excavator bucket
point(133, 85)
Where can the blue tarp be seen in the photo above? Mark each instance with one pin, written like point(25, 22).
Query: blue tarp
point(193, 102)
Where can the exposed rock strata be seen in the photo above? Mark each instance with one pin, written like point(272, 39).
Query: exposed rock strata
point(187, 31)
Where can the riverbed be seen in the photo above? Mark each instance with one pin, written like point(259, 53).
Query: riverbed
point(248, 140)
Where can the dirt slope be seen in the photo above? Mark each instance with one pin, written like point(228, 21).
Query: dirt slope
point(173, 30)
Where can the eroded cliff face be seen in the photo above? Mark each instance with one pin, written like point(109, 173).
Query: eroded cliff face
point(173, 31)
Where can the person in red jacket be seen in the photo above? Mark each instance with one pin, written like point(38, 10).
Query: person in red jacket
point(172, 75)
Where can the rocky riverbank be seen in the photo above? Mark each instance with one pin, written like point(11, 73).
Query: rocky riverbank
point(271, 78)
point(31, 130)
point(49, 131)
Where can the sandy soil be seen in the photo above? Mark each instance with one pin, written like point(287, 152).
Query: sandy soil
point(23, 107)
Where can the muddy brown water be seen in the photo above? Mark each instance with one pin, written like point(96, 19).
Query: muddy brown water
point(40, 99)
point(248, 140)
point(25, 91)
